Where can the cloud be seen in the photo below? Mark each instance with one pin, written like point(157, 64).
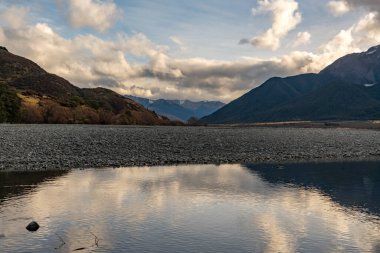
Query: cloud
point(15, 16)
point(303, 38)
point(141, 91)
point(371, 4)
point(244, 41)
point(341, 44)
point(180, 44)
point(368, 29)
point(338, 7)
point(285, 17)
point(96, 14)
point(343, 6)
point(343, 41)
point(88, 61)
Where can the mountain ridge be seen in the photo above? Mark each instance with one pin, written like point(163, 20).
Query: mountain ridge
point(300, 97)
point(179, 109)
point(29, 94)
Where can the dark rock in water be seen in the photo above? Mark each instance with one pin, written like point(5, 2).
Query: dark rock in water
point(33, 226)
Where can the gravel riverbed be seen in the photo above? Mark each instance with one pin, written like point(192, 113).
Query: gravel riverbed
point(46, 147)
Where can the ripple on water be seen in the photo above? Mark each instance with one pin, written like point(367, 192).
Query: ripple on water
point(197, 208)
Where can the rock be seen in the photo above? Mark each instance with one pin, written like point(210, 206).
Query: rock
point(3, 48)
point(33, 226)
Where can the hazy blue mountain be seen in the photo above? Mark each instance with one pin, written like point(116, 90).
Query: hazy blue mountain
point(348, 89)
point(179, 109)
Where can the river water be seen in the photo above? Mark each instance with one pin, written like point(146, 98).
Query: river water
point(315, 207)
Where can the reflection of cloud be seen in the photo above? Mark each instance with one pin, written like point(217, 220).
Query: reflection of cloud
point(221, 204)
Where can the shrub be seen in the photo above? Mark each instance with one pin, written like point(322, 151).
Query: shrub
point(9, 105)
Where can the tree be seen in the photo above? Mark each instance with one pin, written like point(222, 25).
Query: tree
point(9, 105)
point(193, 121)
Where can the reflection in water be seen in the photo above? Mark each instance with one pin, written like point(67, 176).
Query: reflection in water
point(206, 208)
point(17, 183)
point(352, 184)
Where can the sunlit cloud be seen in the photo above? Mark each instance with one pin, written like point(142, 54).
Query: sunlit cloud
point(303, 38)
point(338, 7)
point(134, 63)
point(96, 14)
point(285, 17)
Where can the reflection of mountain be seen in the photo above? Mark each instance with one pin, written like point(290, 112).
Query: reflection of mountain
point(197, 208)
point(349, 184)
point(18, 183)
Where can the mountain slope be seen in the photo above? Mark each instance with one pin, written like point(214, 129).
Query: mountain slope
point(41, 97)
point(177, 109)
point(347, 89)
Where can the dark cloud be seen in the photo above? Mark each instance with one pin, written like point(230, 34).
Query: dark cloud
point(107, 82)
point(244, 41)
point(372, 5)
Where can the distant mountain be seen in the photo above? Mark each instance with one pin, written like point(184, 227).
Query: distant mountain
point(29, 94)
point(179, 109)
point(348, 89)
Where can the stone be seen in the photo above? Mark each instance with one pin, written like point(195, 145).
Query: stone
point(33, 226)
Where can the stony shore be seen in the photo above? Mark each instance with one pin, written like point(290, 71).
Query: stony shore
point(48, 147)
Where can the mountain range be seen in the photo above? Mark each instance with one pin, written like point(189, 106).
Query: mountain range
point(29, 94)
point(348, 89)
point(179, 109)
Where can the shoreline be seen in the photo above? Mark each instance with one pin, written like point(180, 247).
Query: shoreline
point(62, 147)
point(328, 124)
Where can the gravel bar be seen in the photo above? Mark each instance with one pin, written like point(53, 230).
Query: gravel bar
point(48, 147)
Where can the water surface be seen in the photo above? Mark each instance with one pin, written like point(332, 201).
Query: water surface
point(207, 208)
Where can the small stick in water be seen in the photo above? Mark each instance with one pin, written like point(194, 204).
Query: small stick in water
point(96, 240)
point(78, 249)
point(62, 241)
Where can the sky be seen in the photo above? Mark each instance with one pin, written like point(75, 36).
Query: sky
point(180, 49)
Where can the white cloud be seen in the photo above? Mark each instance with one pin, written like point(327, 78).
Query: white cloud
point(342, 41)
point(338, 7)
point(285, 17)
point(15, 16)
point(88, 61)
point(303, 38)
point(180, 44)
point(368, 29)
point(341, 44)
point(96, 14)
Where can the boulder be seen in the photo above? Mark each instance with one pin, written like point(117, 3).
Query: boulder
point(33, 226)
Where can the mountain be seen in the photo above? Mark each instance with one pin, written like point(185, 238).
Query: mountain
point(348, 89)
point(179, 109)
point(29, 94)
